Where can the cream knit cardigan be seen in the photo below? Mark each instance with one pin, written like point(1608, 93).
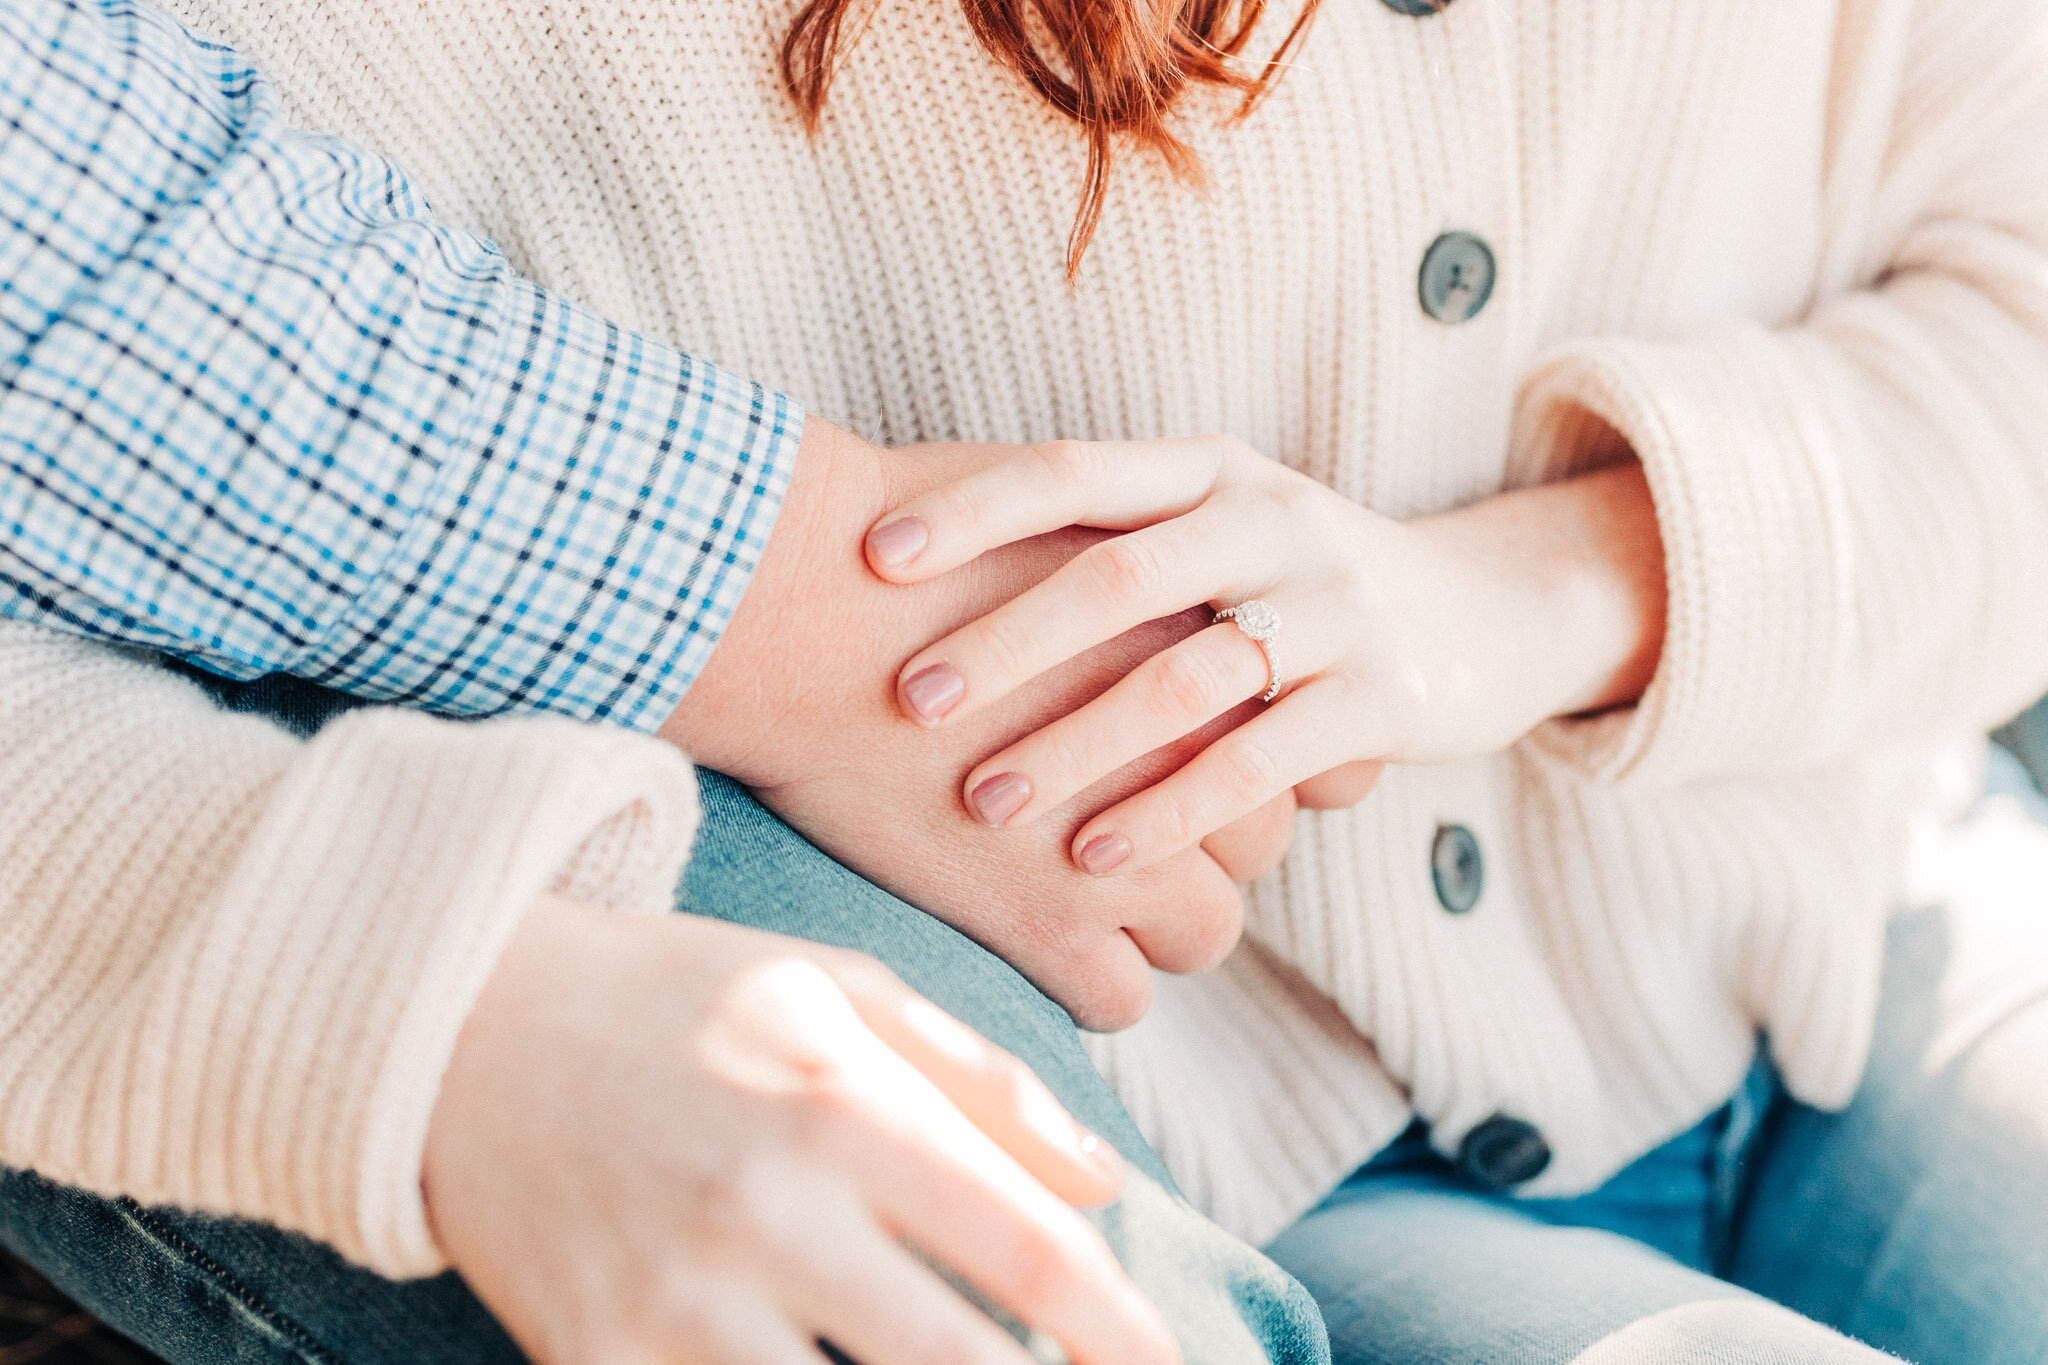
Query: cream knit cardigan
point(1795, 256)
point(235, 962)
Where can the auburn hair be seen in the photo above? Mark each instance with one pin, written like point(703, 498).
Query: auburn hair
point(1131, 63)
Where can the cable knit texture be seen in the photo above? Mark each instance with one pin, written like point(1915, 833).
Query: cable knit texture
point(237, 962)
point(1795, 256)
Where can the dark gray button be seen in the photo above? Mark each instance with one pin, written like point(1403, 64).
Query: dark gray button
point(1416, 8)
point(1457, 277)
point(1502, 1153)
point(1456, 868)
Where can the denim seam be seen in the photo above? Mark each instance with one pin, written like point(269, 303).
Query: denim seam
point(289, 1334)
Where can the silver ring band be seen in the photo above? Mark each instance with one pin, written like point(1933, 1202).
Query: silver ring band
point(1261, 625)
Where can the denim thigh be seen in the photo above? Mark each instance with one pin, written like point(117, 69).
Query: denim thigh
point(1917, 1219)
point(209, 1291)
point(1413, 1264)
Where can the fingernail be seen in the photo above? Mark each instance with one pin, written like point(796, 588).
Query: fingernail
point(1106, 1160)
point(934, 691)
point(898, 542)
point(996, 799)
point(1103, 853)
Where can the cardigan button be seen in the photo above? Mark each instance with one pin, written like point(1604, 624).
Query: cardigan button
point(1503, 1152)
point(1457, 868)
point(1416, 8)
point(1457, 277)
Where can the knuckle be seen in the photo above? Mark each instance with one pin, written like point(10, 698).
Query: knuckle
point(1232, 447)
point(1187, 684)
point(1227, 454)
point(1248, 768)
point(776, 985)
point(859, 972)
point(1059, 763)
point(1003, 645)
point(1012, 1083)
point(1173, 824)
point(834, 1276)
point(1116, 996)
point(1400, 694)
point(955, 507)
point(1127, 569)
point(1067, 461)
point(1301, 500)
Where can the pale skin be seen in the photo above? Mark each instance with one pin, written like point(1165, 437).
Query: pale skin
point(735, 1187)
point(753, 1122)
point(722, 1133)
point(1443, 638)
point(799, 702)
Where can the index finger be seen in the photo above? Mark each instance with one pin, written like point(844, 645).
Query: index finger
point(1114, 485)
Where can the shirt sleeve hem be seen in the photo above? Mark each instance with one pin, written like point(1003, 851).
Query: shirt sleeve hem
point(588, 549)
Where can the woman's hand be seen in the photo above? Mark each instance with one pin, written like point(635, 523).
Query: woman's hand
point(1413, 642)
point(680, 1140)
point(799, 702)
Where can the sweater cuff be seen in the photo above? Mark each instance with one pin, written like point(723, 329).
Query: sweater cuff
point(1738, 453)
point(408, 849)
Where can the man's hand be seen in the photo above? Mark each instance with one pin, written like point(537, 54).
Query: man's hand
point(798, 701)
point(721, 1137)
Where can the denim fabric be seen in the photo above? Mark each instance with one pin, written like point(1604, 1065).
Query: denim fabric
point(205, 1291)
point(2017, 765)
point(1915, 1221)
point(1226, 1302)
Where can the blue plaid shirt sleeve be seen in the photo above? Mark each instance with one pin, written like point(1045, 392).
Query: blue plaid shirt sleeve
point(258, 409)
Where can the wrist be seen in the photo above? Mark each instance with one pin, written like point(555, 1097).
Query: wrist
point(1573, 576)
point(752, 679)
point(817, 636)
point(448, 1173)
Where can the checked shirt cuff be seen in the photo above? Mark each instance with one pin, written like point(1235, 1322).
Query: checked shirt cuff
point(590, 556)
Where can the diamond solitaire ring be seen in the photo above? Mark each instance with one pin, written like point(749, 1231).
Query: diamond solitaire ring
point(1261, 624)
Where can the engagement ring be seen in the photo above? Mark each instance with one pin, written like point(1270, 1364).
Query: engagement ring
point(1261, 624)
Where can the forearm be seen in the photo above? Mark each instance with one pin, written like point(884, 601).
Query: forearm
point(261, 409)
point(1851, 499)
point(1577, 569)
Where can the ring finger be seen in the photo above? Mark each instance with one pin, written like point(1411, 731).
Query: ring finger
point(1243, 770)
point(1174, 692)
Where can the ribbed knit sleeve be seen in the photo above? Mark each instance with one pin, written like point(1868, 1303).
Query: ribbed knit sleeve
point(1853, 506)
point(233, 964)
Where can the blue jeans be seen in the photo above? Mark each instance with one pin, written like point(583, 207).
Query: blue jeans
point(208, 1291)
point(1916, 1221)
